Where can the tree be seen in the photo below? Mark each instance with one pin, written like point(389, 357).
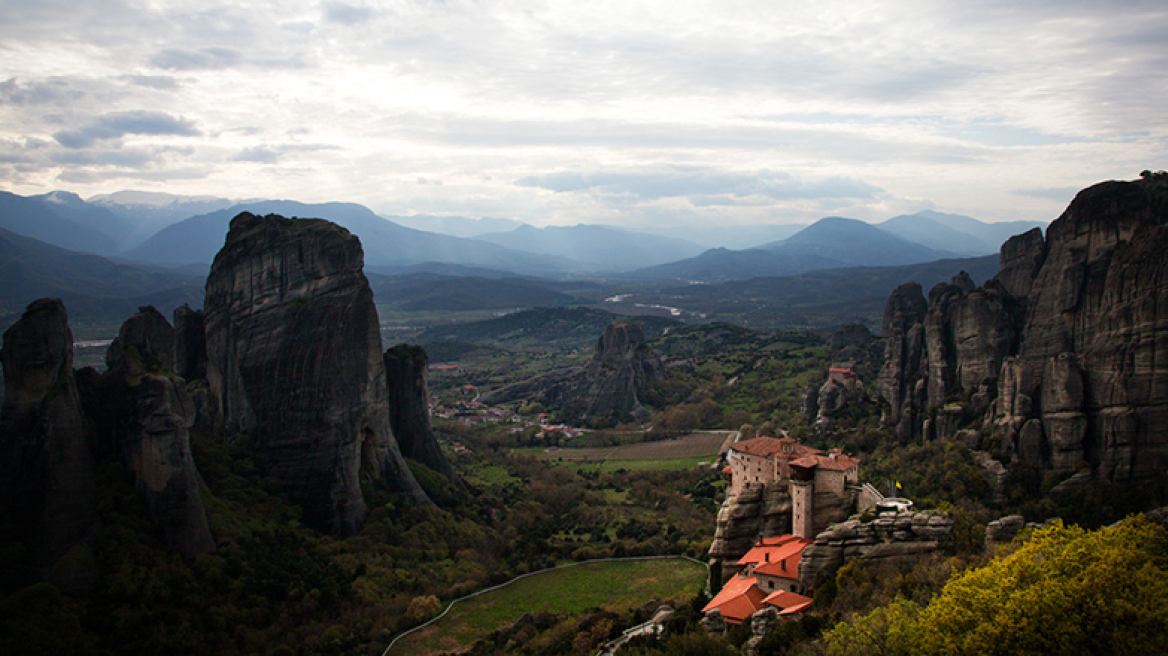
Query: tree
point(1066, 591)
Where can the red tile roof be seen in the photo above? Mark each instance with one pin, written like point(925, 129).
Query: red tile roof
point(779, 559)
point(768, 446)
point(838, 463)
point(788, 603)
point(739, 599)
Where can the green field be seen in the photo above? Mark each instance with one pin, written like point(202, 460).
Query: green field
point(566, 590)
point(681, 453)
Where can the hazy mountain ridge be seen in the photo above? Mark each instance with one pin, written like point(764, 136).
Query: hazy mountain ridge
point(601, 246)
point(423, 291)
point(52, 222)
point(385, 243)
point(33, 269)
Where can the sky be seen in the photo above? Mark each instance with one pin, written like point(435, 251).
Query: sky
point(618, 112)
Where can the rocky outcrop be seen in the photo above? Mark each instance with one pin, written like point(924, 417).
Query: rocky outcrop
point(190, 344)
point(904, 342)
point(1064, 355)
point(852, 335)
point(295, 362)
point(762, 625)
point(47, 468)
point(891, 537)
point(409, 411)
point(154, 415)
point(620, 366)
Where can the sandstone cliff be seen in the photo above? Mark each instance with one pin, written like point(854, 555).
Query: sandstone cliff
point(891, 537)
point(154, 413)
point(1061, 361)
point(47, 471)
point(295, 362)
point(621, 365)
point(409, 412)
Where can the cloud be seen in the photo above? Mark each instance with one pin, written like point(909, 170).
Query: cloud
point(274, 153)
point(705, 185)
point(162, 82)
point(1061, 194)
point(210, 58)
point(119, 124)
point(339, 12)
point(55, 91)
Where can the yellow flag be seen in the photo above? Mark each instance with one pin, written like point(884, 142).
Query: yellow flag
point(898, 485)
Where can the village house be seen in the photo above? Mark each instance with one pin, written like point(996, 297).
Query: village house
point(769, 577)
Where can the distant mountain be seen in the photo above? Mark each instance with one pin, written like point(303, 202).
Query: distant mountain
point(937, 235)
point(721, 264)
point(147, 212)
point(575, 327)
point(199, 238)
point(57, 219)
point(991, 233)
point(425, 291)
point(829, 243)
point(954, 232)
point(455, 226)
point(602, 247)
point(855, 243)
point(89, 284)
point(734, 237)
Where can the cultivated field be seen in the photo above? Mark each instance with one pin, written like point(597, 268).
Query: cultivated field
point(681, 453)
point(566, 590)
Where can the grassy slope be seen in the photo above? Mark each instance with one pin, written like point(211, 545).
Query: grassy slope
point(566, 590)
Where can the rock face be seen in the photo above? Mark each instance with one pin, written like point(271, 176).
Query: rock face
point(152, 436)
point(295, 362)
point(1063, 356)
point(409, 413)
point(892, 537)
point(609, 383)
point(190, 344)
point(47, 471)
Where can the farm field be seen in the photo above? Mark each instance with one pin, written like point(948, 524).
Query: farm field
point(571, 589)
point(680, 453)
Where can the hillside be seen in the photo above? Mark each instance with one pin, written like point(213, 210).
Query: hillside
point(558, 328)
point(424, 291)
point(90, 285)
point(721, 264)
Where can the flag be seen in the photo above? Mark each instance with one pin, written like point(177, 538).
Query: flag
point(898, 485)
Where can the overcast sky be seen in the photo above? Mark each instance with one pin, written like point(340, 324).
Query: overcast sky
point(620, 112)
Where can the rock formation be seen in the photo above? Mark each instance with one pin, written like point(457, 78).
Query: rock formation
point(295, 362)
point(609, 383)
point(154, 415)
point(891, 537)
point(409, 413)
point(1062, 358)
point(47, 471)
point(190, 344)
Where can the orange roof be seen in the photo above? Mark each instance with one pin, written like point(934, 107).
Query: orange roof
point(780, 560)
point(785, 447)
point(739, 599)
point(759, 552)
point(787, 602)
point(784, 562)
point(838, 463)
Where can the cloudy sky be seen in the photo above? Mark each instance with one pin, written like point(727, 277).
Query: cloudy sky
point(620, 112)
